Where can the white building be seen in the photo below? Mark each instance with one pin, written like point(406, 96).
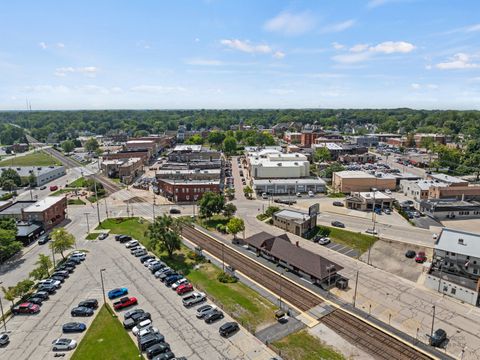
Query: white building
point(418, 189)
point(43, 174)
point(269, 164)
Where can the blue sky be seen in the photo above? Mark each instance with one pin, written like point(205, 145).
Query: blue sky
point(240, 54)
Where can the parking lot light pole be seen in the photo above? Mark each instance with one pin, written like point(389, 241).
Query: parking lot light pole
point(3, 315)
point(373, 209)
point(103, 286)
point(433, 321)
point(88, 225)
point(355, 293)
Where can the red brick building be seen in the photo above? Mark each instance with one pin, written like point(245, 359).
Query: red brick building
point(49, 211)
point(186, 191)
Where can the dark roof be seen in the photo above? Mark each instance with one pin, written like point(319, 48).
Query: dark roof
point(450, 205)
point(25, 229)
point(302, 259)
point(17, 207)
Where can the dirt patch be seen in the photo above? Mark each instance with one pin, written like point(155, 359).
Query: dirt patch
point(390, 256)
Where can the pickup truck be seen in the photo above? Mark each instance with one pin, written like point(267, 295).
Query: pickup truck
point(125, 302)
point(194, 298)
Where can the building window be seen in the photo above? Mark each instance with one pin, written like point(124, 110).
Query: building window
point(453, 291)
point(453, 254)
point(475, 271)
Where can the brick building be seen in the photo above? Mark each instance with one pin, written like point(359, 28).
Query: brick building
point(49, 211)
point(185, 190)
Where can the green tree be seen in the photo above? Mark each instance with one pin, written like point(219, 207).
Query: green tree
point(62, 241)
point(248, 192)
point(23, 287)
point(410, 140)
point(235, 225)
point(211, 203)
point(216, 138)
point(68, 146)
point(321, 154)
point(8, 185)
point(91, 145)
point(43, 267)
point(195, 140)
point(8, 244)
point(9, 294)
point(329, 170)
point(230, 145)
point(271, 210)
point(12, 175)
point(163, 234)
point(229, 210)
point(472, 162)
point(32, 180)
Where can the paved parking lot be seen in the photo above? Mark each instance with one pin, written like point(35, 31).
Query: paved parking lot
point(31, 336)
point(343, 249)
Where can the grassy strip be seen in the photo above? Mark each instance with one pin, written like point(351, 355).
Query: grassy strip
point(92, 236)
point(213, 222)
point(76, 202)
point(303, 346)
point(34, 159)
point(106, 339)
point(93, 198)
point(262, 217)
point(80, 182)
point(358, 241)
point(135, 227)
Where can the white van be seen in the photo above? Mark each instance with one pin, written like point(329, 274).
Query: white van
point(264, 196)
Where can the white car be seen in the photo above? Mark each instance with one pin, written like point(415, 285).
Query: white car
point(311, 194)
point(264, 196)
point(147, 330)
point(152, 264)
point(131, 244)
point(149, 261)
point(139, 252)
point(78, 255)
point(135, 248)
point(371, 231)
point(178, 283)
point(141, 325)
point(161, 271)
point(387, 191)
point(55, 283)
point(324, 241)
point(63, 344)
point(4, 339)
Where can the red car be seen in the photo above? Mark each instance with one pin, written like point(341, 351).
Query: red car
point(53, 187)
point(421, 257)
point(184, 288)
point(125, 302)
point(26, 308)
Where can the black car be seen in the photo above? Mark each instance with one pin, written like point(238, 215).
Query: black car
point(43, 239)
point(63, 273)
point(42, 295)
point(89, 303)
point(165, 356)
point(67, 268)
point(149, 340)
point(81, 311)
point(135, 319)
point(35, 300)
point(73, 260)
point(228, 328)
point(438, 337)
point(175, 211)
point(213, 316)
point(157, 349)
point(410, 254)
point(338, 203)
point(124, 238)
point(131, 313)
point(166, 274)
point(58, 278)
point(157, 267)
point(73, 327)
point(51, 289)
point(338, 224)
point(145, 258)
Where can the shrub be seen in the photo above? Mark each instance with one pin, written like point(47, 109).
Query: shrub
point(323, 231)
point(227, 279)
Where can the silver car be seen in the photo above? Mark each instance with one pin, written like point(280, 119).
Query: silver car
point(63, 344)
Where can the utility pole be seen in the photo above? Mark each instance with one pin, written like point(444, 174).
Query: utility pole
point(103, 286)
point(3, 315)
point(373, 209)
point(88, 225)
point(53, 257)
point(433, 321)
point(223, 258)
point(96, 198)
point(153, 208)
point(355, 293)
point(106, 208)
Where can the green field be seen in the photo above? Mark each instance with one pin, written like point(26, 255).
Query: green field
point(80, 182)
point(135, 227)
point(303, 346)
point(92, 236)
point(358, 241)
point(106, 339)
point(76, 202)
point(34, 159)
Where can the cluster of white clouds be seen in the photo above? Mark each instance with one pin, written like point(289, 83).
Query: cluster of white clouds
point(95, 89)
point(251, 48)
point(291, 24)
point(417, 86)
point(458, 61)
point(90, 71)
point(43, 45)
point(362, 52)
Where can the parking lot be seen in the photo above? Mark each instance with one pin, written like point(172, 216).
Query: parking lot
point(343, 249)
point(31, 335)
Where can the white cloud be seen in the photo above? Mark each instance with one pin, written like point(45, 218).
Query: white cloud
point(375, 3)
point(47, 89)
point(248, 47)
point(416, 86)
point(362, 52)
point(90, 71)
point(338, 27)
point(473, 28)
point(60, 45)
point(337, 46)
point(203, 62)
point(458, 61)
point(42, 45)
point(290, 24)
point(157, 89)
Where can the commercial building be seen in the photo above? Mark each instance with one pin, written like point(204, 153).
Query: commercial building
point(366, 141)
point(149, 145)
point(359, 181)
point(193, 153)
point(15, 209)
point(144, 155)
point(447, 179)
point(127, 170)
point(278, 165)
point(292, 137)
point(294, 221)
point(49, 212)
point(365, 201)
point(43, 174)
point(288, 186)
point(27, 232)
point(189, 174)
point(357, 158)
point(307, 264)
point(419, 189)
point(186, 190)
point(471, 192)
point(336, 150)
point(455, 269)
point(442, 209)
point(16, 148)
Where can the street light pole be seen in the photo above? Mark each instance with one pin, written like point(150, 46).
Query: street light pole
point(1, 309)
point(96, 198)
point(53, 257)
point(103, 286)
point(106, 208)
point(153, 208)
point(88, 225)
point(355, 293)
point(373, 209)
point(433, 321)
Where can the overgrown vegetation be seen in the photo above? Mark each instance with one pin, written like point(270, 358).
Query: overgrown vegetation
point(8, 242)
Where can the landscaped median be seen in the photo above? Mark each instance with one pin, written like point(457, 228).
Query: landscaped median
point(106, 339)
point(355, 240)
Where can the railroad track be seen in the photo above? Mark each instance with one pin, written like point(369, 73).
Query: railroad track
point(367, 337)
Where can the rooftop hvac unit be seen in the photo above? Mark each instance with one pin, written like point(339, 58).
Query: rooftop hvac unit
point(279, 164)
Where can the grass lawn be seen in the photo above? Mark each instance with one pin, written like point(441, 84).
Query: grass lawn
point(92, 236)
point(303, 346)
point(93, 198)
point(76, 202)
point(262, 217)
point(80, 182)
point(211, 224)
point(34, 159)
point(358, 241)
point(61, 191)
point(241, 302)
point(135, 227)
point(106, 339)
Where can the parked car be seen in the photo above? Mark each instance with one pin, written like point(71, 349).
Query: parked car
point(149, 340)
point(146, 257)
point(35, 300)
point(65, 267)
point(63, 273)
point(172, 279)
point(43, 239)
point(175, 211)
point(125, 302)
point(74, 327)
point(58, 278)
point(63, 344)
point(213, 316)
point(102, 236)
point(147, 262)
point(299, 195)
point(142, 324)
point(78, 254)
point(438, 337)
point(157, 349)
point(371, 232)
point(195, 298)
point(228, 329)
point(117, 292)
point(25, 308)
point(155, 267)
point(42, 295)
point(135, 319)
point(55, 283)
point(53, 188)
point(123, 238)
point(43, 187)
point(90, 303)
point(146, 331)
point(131, 244)
point(50, 288)
point(387, 211)
point(324, 241)
point(184, 288)
point(166, 274)
point(128, 314)
point(139, 252)
point(176, 284)
point(203, 310)
point(338, 203)
point(410, 254)
point(338, 224)
point(4, 339)
point(167, 356)
point(81, 311)
point(421, 257)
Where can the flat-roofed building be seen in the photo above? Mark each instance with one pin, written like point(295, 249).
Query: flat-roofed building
point(448, 179)
point(471, 192)
point(292, 137)
point(419, 189)
point(294, 221)
point(136, 145)
point(185, 191)
point(276, 165)
point(193, 153)
point(124, 169)
point(15, 209)
point(49, 211)
point(43, 174)
point(190, 174)
point(288, 186)
point(365, 201)
point(442, 209)
point(358, 181)
point(126, 154)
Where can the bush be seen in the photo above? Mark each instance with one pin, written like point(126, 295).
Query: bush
point(271, 210)
point(221, 228)
point(226, 279)
point(323, 231)
point(6, 196)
